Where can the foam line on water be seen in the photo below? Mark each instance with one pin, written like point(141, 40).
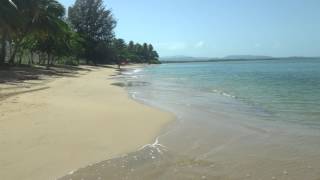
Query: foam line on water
point(156, 145)
point(223, 93)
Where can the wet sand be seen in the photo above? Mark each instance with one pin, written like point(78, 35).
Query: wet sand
point(196, 149)
point(61, 125)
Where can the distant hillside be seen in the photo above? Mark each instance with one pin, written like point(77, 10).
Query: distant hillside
point(184, 58)
point(231, 57)
point(188, 59)
point(249, 57)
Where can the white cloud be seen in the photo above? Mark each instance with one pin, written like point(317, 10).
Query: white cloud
point(199, 44)
point(257, 45)
point(276, 44)
point(176, 46)
point(173, 46)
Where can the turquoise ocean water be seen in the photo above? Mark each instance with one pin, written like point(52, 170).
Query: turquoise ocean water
point(235, 120)
point(283, 90)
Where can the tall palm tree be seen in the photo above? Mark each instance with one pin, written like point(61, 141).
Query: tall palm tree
point(7, 12)
point(8, 23)
point(33, 20)
point(40, 17)
point(48, 24)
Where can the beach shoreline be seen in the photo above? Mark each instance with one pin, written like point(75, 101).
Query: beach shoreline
point(71, 122)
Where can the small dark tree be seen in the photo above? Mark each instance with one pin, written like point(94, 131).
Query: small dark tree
point(122, 51)
point(94, 23)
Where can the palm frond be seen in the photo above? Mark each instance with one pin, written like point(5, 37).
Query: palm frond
point(12, 3)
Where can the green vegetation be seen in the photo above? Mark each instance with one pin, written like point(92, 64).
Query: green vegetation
point(38, 32)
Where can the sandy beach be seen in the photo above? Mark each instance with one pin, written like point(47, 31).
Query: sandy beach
point(70, 122)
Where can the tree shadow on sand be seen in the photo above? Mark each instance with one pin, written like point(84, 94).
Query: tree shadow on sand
point(24, 79)
point(13, 75)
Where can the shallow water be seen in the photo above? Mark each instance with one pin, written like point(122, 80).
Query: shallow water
point(235, 120)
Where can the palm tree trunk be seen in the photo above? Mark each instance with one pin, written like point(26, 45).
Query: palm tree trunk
point(3, 49)
point(48, 61)
point(20, 58)
point(15, 50)
point(13, 56)
point(40, 62)
point(30, 58)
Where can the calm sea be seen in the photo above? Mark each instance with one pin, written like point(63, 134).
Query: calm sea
point(283, 90)
point(235, 120)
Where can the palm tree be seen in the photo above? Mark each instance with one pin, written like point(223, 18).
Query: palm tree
point(37, 17)
point(8, 23)
point(50, 27)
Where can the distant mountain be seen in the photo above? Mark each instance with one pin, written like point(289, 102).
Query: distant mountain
point(249, 57)
point(231, 57)
point(188, 59)
point(183, 58)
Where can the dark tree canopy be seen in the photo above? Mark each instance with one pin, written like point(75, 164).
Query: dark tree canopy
point(38, 31)
point(91, 19)
point(95, 24)
point(136, 53)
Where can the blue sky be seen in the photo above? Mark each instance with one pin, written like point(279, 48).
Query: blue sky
point(217, 28)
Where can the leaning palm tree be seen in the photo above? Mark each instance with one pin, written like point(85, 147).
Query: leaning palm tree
point(36, 17)
point(49, 26)
point(8, 11)
point(8, 24)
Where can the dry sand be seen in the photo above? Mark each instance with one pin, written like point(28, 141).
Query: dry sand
point(70, 123)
